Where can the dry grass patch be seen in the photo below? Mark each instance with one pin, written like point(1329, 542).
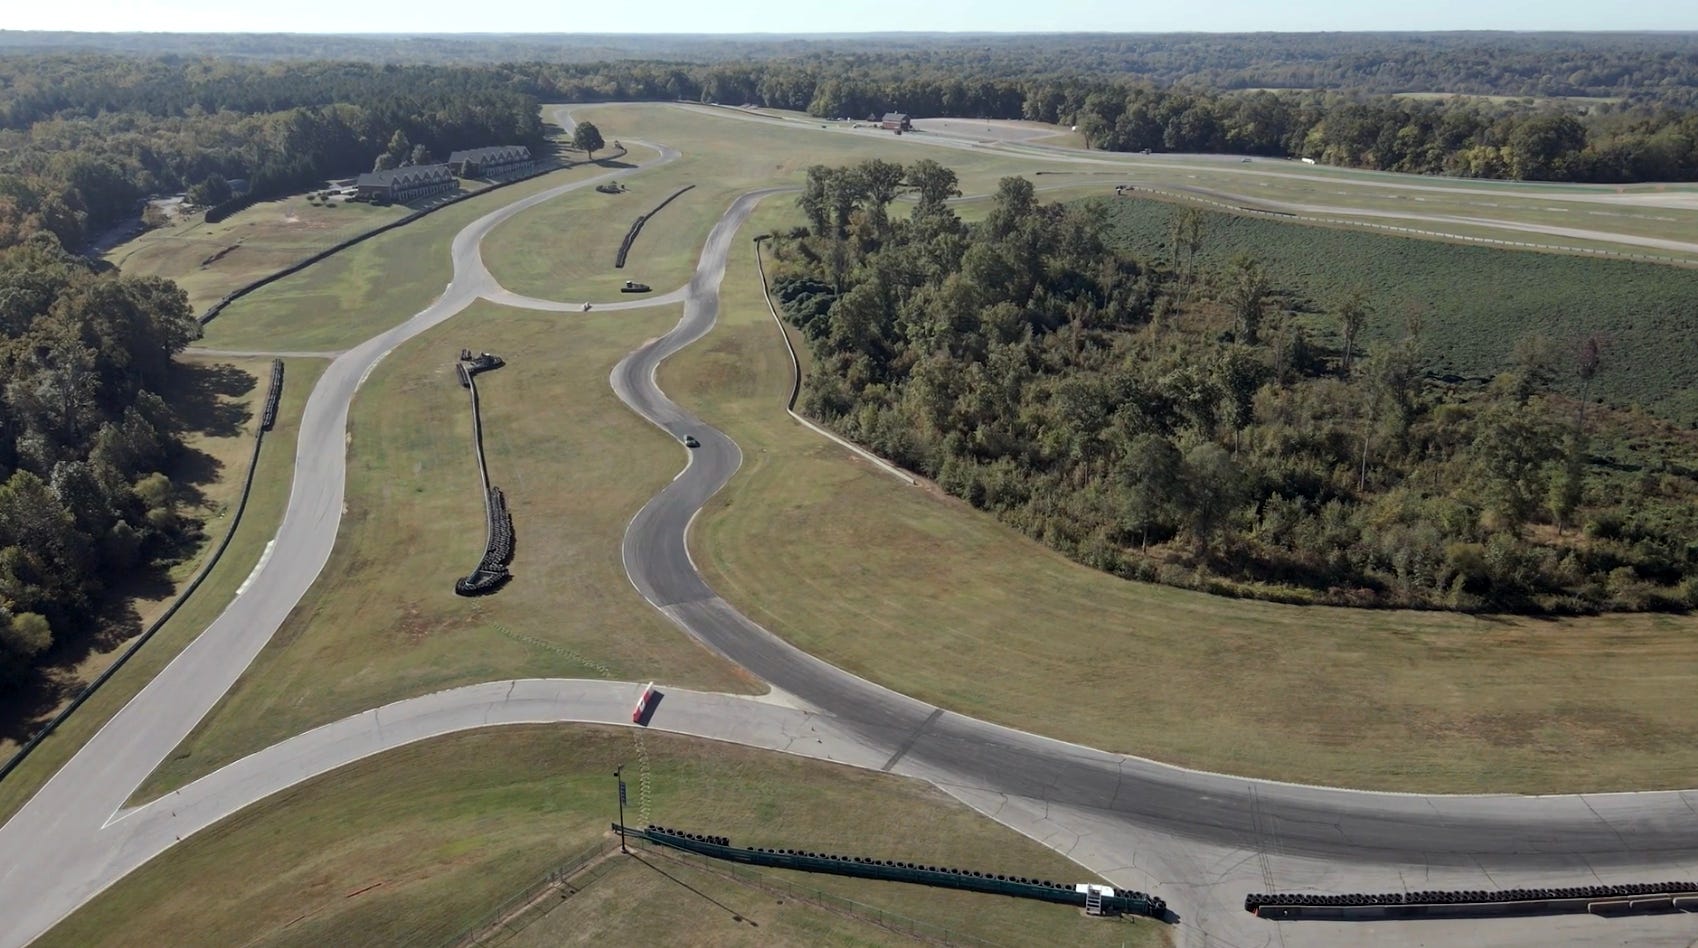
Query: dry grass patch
point(415, 845)
point(382, 622)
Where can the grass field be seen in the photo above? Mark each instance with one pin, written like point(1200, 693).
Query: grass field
point(369, 287)
point(564, 249)
point(923, 594)
point(1476, 302)
point(265, 509)
point(210, 260)
point(383, 623)
point(416, 845)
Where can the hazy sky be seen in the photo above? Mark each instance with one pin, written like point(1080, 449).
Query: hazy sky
point(816, 16)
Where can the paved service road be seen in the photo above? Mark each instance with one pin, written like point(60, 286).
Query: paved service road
point(1201, 840)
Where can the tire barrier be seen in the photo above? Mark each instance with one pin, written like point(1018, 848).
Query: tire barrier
point(241, 291)
point(1632, 898)
point(1123, 901)
point(491, 572)
point(637, 227)
point(269, 417)
point(267, 420)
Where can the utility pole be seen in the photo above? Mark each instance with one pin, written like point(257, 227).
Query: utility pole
point(621, 780)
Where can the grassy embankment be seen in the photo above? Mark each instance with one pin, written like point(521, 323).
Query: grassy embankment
point(229, 403)
point(210, 260)
point(373, 285)
point(383, 623)
point(413, 846)
point(924, 594)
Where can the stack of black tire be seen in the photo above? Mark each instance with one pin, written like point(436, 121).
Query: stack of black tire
point(491, 573)
point(1255, 902)
point(272, 397)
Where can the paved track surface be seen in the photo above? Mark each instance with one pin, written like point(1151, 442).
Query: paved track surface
point(1202, 840)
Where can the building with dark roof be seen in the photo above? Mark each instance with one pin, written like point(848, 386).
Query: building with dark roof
point(896, 121)
point(400, 185)
point(490, 162)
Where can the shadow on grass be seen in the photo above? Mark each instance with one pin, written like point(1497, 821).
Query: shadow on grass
point(612, 163)
point(736, 916)
point(200, 394)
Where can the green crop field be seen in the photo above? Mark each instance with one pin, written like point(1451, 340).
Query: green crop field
point(1475, 303)
point(415, 846)
point(383, 623)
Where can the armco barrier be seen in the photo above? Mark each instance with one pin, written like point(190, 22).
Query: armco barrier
point(491, 572)
point(241, 291)
point(272, 396)
point(637, 226)
point(796, 386)
point(267, 419)
point(719, 847)
point(1632, 898)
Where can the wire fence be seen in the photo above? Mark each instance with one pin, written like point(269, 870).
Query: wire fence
point(525, 907)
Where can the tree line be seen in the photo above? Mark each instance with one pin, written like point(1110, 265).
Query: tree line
point(1633, 65)
point(83, 139)
point(1164, 421)
point(85, 441)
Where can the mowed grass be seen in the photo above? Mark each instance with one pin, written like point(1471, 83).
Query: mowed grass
point(247, 245)
point(1475, 303)
point(565, 249)
point(382, 622)
point(270, 495)
point(373, 285)
point(414, 846)
point(690, 900)
point(920, 592)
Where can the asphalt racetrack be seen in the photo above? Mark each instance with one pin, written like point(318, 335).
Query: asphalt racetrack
point(1199, 840)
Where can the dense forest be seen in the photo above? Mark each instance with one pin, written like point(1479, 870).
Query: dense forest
point(84, 136)
point(1165, 420)
point(83, 139)
point(84, 441)
point(1474, 63)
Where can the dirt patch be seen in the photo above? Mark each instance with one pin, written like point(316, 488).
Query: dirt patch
point(412, 626)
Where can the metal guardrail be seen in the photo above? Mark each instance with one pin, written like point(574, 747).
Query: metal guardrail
point(637, 226)
point(719, 847)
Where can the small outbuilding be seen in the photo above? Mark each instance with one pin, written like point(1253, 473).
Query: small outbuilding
point(896, 122)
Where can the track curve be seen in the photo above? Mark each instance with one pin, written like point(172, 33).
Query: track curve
point(1154, 825)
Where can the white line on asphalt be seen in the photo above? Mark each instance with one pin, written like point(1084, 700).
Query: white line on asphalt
point(263, 558)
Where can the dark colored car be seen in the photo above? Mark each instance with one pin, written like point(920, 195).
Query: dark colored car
point(691, 442)
point(632, 286)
